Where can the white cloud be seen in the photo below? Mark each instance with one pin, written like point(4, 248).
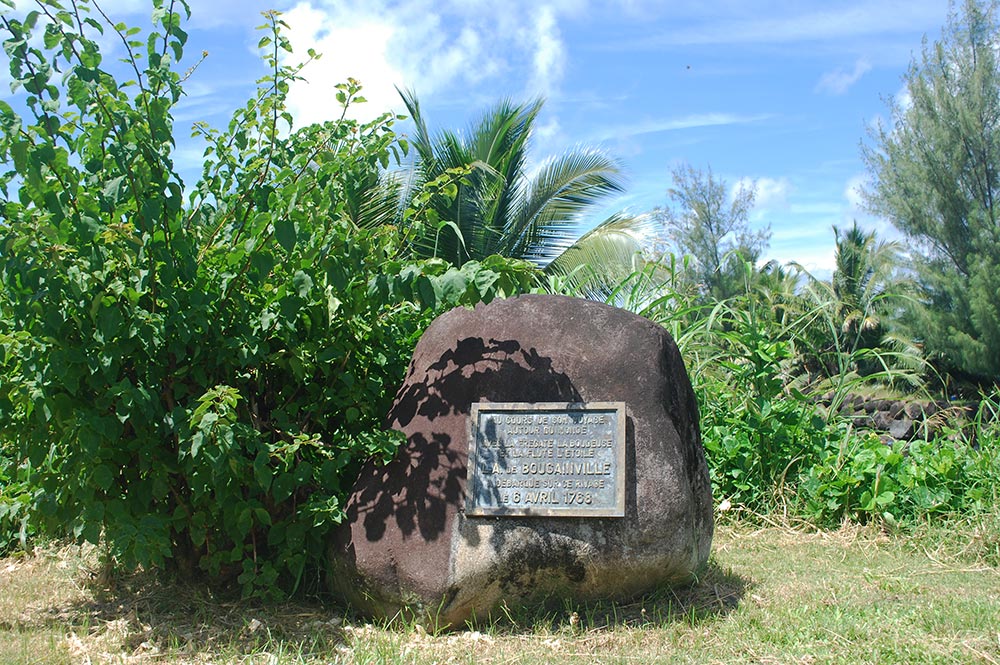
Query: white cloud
point(903, 99)
point(853, 193)
point(771, 193)
point(840, 80)
point(313, 99)
point(433, 48)
point(547, 131)
point(856, 210)
point(673, 124)
point(806, 241)
point(550, 55)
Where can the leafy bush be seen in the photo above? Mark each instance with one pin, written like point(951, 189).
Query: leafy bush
point(768, 445)
point(196, 381)
point(867, 479)
point(864, 478)
point(757, 435)
point(756, 432)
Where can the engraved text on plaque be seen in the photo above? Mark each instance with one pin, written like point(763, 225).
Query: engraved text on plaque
point(547, 459)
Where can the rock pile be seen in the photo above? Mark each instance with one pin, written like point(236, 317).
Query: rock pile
point(900, 420)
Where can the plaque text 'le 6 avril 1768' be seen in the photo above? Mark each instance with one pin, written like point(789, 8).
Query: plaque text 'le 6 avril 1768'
point(547, 459)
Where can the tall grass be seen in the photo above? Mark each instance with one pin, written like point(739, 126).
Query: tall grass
point(758, 362)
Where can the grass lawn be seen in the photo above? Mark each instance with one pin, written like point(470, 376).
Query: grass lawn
point(770, 595)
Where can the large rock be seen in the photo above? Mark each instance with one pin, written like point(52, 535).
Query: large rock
point(407, 543)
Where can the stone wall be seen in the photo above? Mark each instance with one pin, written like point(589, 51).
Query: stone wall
point(901, 419)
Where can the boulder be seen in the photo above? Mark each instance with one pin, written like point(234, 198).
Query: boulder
point(881, 421)
point(902, 429)
point(408, 546)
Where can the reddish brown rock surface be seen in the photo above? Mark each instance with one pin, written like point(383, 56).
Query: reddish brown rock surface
point(406, 542)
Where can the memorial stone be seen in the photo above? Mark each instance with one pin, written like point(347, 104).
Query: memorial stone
point(552, 452)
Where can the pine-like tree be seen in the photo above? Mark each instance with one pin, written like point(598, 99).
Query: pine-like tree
point(714, 229)
point(936, 177)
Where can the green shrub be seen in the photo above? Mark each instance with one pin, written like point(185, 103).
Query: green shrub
point(864, 478)
point(757, 432)
point(197, 380)
point(16, 531)
point(755, 456)
point(769, 446)
point(867, 479)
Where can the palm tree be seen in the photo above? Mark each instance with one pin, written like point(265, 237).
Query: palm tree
point(864, 280)
point(851, 331)
point(498, 209)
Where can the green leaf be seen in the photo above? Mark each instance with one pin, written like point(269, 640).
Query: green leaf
point(244, 522)
point(283, 486)
point(53, 36)
point(329, 476)
point(91, 531)
point(427, 292)
point(112, 188)
point(197, 438)
point(104, 477)
point(284, 233)
point(885, 498)
point(452, 286)
point(262, 470)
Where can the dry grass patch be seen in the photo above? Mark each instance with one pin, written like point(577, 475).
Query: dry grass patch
point(771, 595)
point(40, 597)
point(57, 606)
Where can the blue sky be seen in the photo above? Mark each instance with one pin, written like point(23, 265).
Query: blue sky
point(776, 92)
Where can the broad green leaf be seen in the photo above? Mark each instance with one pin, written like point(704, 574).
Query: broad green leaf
point(283, 486)
point(104, 477)
point(284, 233)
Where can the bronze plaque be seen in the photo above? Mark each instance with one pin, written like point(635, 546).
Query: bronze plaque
point(552, 459)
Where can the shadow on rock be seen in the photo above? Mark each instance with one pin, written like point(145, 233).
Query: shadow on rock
point(429, 473)
point(474, 369)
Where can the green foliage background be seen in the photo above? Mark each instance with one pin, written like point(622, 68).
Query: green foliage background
point(195, 377)
point(193, 373)
point(771, 447)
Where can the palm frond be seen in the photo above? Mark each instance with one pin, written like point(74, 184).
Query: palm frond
point(421, 138)
point(556, 199)
point(498, 209)
point(374, 201)
point(501, 139)
point(602, 258)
